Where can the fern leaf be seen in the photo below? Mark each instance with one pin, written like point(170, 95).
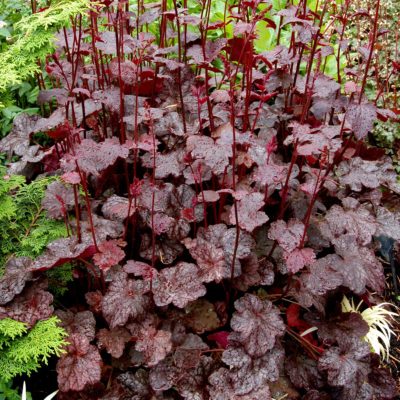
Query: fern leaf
point(24, 354)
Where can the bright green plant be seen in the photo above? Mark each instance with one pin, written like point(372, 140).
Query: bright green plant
point(25, 229)
point(22, 351)
point(7, 392)
point(33, 39)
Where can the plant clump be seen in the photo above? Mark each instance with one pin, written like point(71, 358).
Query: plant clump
point(219, 202)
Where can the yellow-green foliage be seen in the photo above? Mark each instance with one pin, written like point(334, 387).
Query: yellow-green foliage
point(25, 229)
point(22, 351)
point(34, 39)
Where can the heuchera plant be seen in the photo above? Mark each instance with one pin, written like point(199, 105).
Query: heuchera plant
point(219, 204)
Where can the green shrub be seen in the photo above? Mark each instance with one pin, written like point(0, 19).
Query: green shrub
point(33, 39)
point(25, 229)
point(22, 351)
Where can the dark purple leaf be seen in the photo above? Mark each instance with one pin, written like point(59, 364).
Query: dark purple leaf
point(213, 250)
point(138, 383)
point(243, 27)
point(125, 298)
point(110, 98)
point(128, 71)
point(345, 325)
point(58, 117)
point(139, 268)
point(165, 375)
point(298, 259)
point(15, 277)
point(178, 285)
point(58, 200)
point(93, 158)
point(274, 175)
point(388, 223)
point(347, 364)
point(113, 340)
point(161, 223)
point(254, 273)
point(314, 141)
point(108, 45)
point(154, 344)
point(117, 391)
point(358, 173)
point(80, 366)
point(166, 164)
point(94, 300)
point(116, 208)
point(63, 250)
point(318, 279)
point(188, 354)
point(166, 250)
point(210, 258)
point(81, 323)
point(110, 254)
point(220, 96)
point(82, 92)
point(325, 86)
point(71, 177)
point(222, 388)
point(245, 246)
point(216, 156)
point(27, 165)
point(32, 305)
point(18, 140)
point(360, 267)
point(256, 324)
point(288, 235)
point(162, 196)
point(355, 220)
point(208, 196)
point(212, 50)
point(260, 371)
point(303, 372)
point(193, 385)
point(249, 216)
point(317, 395)
point(361, 118)
point(181, 368)
point(250, 374)
point(382, 382)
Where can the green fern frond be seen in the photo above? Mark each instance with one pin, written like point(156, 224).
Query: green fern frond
point(7, 208)
point(34, 40)
point(55, 17)
point(25, 229)
point(9, 182)
point(7, 392)
point(25, 354)
point(45, 232)
point(32, 194)
point(10, 329)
